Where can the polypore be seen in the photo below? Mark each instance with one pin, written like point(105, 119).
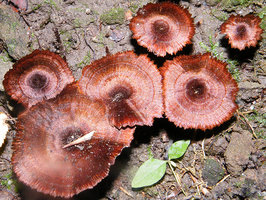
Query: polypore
point(38, 76)
point(130, 86)
point(199, 92)
point(241, 31)
point(45, 156)
point(162, 28)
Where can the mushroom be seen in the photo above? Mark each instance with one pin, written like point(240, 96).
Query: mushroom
point(45, 156)
point(162, 28)
point(38, 76)
point(241, 31)
point(199, 92)
point(129, 85)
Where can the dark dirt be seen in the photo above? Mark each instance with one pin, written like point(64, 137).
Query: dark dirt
point(83, 31)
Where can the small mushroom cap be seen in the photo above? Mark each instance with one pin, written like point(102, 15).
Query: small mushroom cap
point(42, 161)
point(38, 76)
point(162, 28)
point(130, 86)
point(241, 31)
point(199, 91)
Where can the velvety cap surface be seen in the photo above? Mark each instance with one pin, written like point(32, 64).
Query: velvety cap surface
point(199, 92)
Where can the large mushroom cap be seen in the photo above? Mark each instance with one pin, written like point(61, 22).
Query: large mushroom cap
point(41, 159)
point(130, 86)
point(162, 28)
point(37, 76)
point(241, 31)
point(199, 92)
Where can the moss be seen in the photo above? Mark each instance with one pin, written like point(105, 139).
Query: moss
point(99, 38)
point(212, 2)
point(151, 191)
point(36, 7)
point(261, 134)
point(51, 3)
point(134, 7)
point(213, 49)
point(113, 16)
point(260, 120)
point(238, 2)
point(77, 23)
point(257, 117)
point(14, 25)
point(8, 182)
point(220, 15)
point(233, 69)
point(238, 184)
point(11, 45)
point(230, 5)
point(94, 12)
point(86, 60)
point(5, 57)
point(262, 15)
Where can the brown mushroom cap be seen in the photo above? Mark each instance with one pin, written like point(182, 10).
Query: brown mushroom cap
point(37, 76)
point(199, 92)
point(241, 31)
point(130, 86)
point(162, 28)
point(40, 159)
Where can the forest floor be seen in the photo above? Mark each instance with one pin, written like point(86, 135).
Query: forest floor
point(227, 162)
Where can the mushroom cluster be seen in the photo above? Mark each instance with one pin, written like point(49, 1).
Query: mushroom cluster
point(47, 154)
point(71, 132)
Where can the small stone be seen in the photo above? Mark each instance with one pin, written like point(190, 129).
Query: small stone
point(212, 172)
point(238, 152)
point(216, 147)
point(88, 11)
point(116, 36)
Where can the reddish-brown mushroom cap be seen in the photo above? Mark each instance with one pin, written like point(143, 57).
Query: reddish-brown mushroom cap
point(199, 92)
point(41, 159)
point(162, 28)
point(130, 86)
point(38, 76)
point(241, 31)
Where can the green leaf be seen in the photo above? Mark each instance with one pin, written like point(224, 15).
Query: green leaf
point(150, 172)
point(178, 149)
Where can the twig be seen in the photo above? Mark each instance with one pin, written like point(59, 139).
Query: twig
point(220, 181)
point(23, 18)
point(246, 120)
point(223, 179)
point(125, 191)
point(177, 178)
point(87, 43)
point(84, 138)
point(59, 42)
point(159, 192)
point(202, 146)
point(5, 159)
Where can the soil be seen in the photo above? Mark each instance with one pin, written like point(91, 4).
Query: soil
point(227, 162)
